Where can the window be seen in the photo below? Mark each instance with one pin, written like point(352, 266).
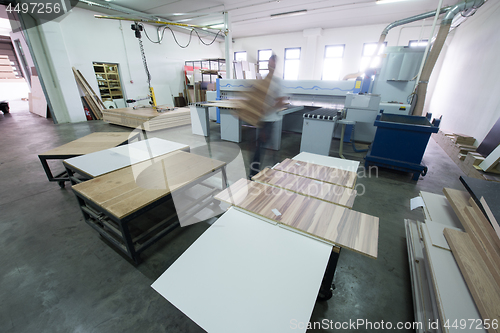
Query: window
point(368, 51)
point(416, 43)
point(240, 56)
point(333, 62)
point(292, 60)
point(263, 59)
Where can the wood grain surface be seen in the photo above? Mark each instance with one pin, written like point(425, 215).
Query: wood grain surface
point(484, 289)
point(90, 143)
point(332, 223)
point(458, 201)
point(148, 118)
point(490, 215)
point(314, 171)
point(312, 188)
point(127, 190)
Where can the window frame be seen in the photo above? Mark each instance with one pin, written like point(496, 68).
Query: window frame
point(244, 52)
point(368, 56)
point(325, 58)
point(261, 70)
point(418, 41)
point(293, 59)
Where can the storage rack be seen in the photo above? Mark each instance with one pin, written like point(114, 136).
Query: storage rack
point(108, 79)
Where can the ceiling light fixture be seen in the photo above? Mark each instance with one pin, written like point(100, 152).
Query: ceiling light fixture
point(381, 2)
point(216, 26)
point(294, 13)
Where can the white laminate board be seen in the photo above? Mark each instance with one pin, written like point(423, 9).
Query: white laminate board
point(332, 162)
point(490, 160)
point(440, 210)
point(424, 303)
point(436, 233)
point(104, 161)
point(452, 295)
point(246, 275)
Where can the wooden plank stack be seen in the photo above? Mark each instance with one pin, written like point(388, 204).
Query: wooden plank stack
point(477, 253)
point(93, 101)
point(148, 118)
point(463, 154)
point(6, 70)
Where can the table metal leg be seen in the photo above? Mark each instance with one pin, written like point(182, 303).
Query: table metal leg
point(327, 286)
point(224, 177)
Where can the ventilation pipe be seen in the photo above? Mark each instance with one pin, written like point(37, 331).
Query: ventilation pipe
point(444, 29)
point(393, 25)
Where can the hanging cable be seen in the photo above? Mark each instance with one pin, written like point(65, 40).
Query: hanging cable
point(145, 63)
point(162, 34)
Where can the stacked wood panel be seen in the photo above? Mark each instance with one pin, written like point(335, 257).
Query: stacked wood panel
point(148, 118)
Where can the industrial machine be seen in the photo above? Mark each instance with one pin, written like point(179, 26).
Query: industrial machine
point(386, 90)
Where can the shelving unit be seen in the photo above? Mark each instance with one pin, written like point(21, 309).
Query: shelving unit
point(209, 69)
point(108, 79)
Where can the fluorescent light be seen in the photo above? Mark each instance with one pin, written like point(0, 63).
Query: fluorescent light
point(294, 13)
point(216, 26)
point(381, 2)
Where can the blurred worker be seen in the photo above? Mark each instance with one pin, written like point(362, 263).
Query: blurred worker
point(273, 102)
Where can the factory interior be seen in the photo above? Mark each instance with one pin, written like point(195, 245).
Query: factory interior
point(227, 166)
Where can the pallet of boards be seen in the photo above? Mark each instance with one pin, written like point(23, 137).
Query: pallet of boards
point(459, 153)
point(148, 118)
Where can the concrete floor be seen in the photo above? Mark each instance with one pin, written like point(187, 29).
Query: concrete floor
point(58, 275)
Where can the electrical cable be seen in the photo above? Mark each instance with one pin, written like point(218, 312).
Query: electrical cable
point(143, 54)
point(160, 38)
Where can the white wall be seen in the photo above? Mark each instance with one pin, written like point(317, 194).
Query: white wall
point(466, 84)
point(352, 37)
point(89, 39)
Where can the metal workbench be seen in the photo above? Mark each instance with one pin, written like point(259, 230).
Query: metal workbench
point(88, 144)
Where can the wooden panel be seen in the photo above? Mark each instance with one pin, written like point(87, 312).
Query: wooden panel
point(148, 118)
point(127, 190)
point(312, 188)
point(458, 201)
point(90, 143)
point(490, 215)
point(332, 223)
point(484, 289)
point(330, 175)
point(436, 233)
point(491, 161)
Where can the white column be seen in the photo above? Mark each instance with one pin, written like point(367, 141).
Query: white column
point(228, 46)
point(49, 50)
point(308, 55)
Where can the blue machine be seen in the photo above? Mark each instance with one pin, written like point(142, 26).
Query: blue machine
point(400, 143)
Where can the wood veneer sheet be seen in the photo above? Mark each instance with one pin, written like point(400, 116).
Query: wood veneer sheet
point(319, 172)
point(313, 188)
point(332, 223)
point(127, 190)
point(484, 289)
